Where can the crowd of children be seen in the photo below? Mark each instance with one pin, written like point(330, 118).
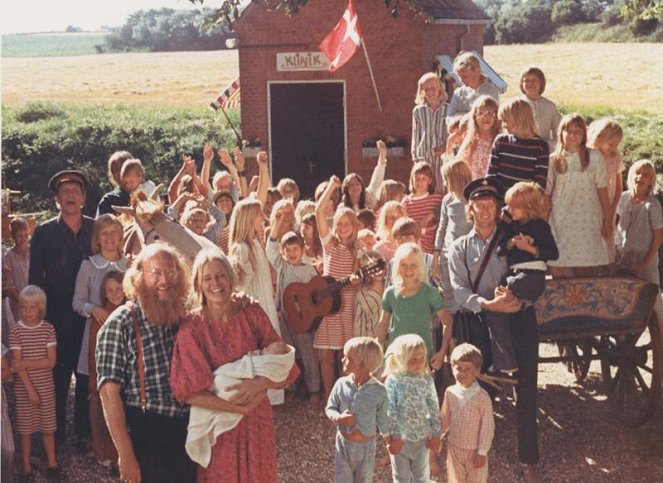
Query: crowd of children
point(564, 209)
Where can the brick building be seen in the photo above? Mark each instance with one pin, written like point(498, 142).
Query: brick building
point(314, 122)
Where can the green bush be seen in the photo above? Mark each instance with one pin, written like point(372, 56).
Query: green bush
point(36, 145)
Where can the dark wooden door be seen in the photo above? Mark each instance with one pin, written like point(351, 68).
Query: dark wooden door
point(308, 133)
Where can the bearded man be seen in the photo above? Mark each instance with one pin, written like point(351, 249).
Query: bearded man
point(134, 348)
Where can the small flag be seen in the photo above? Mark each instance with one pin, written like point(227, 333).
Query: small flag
point(342, 42)
point(229, 98)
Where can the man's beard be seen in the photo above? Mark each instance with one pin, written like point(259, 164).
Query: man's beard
point(157, 311)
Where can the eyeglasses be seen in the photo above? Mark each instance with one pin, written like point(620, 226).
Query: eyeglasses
point(168, 274)
point(486, 113)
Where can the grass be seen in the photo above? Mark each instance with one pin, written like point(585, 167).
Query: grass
point(600, 32)
point(177, 79)
point(51, 44)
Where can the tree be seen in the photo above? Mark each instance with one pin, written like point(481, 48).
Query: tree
point(526, 23)
point(567, 12)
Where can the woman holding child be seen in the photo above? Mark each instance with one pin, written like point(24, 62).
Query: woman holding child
point(222, 330)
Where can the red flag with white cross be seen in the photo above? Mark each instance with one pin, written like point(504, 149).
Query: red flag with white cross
point(342, 42)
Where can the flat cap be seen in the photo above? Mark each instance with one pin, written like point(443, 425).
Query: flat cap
point(67, 176)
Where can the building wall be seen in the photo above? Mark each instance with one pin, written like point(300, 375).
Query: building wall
point(400, 50)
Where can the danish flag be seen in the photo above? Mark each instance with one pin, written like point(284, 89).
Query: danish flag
point(342, 42)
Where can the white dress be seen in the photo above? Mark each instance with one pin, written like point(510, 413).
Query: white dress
point(576, 218)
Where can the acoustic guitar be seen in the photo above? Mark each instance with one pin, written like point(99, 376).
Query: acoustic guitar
point(307, 303)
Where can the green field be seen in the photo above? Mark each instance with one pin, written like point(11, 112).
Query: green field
point(51, 44)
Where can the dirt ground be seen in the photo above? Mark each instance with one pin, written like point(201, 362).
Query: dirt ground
point(580, 439)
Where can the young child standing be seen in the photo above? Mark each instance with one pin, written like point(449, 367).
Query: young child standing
point(414, 424)
point(391, 212)
point(369, 300)
point(580, 217)
point(358, 406)
point(467, 417)
point(519, 155)
point(482, 129)
point(33, 347)
point(287, 259)
point(640, 227)
point(527, 244)
point(606, 135)
point(408, 306)
point(423, 203)
point(340, 258)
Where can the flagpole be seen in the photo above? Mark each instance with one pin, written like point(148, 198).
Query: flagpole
point(370, 71)
point(238, 138)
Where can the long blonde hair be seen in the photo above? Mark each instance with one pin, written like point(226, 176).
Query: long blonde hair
point(401, 350)
point(471, 138)
point(518, 116)
point(352, 244)
point(388, 191)
point(456, 175)
point(602, 131)
point(557, 157)
point(420, 96)
point(404, 251)
point(242, 230)
point(197, 298)
point(384, 229)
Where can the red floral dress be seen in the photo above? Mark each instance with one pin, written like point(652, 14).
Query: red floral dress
point(247, 453)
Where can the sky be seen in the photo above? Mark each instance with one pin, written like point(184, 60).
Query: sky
point(24, 16)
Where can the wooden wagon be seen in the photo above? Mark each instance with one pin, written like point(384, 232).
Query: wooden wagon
point(609, 319)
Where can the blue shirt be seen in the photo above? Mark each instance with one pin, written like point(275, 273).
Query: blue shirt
point(413, 406)
point(367, 403)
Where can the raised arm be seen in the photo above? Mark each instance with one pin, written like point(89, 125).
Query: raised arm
point(240, 162)
point(321, 206)
point(378, 175)
point(263, 180)
point(208, 157)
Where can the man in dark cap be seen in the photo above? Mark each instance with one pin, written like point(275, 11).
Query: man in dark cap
point(58, 247)
point(466, 257)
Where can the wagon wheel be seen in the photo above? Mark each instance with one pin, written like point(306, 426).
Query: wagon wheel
point(579, 353)
point(632, 373)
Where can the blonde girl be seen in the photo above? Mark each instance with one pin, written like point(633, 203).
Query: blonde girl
point(412, 408)
point(341, 257)
point(429, 132)
point(606, 135)
point(423, 203)
point(640, 227)
point(249, 258)
point(580, 214)
point(288, 189)
point(532, 85)
point(520, 154)
point(390, 190)
point(482, 129)
point(358, 407)
point(453, 224)
point(468, 68)
point(390, 213)
point(408, 306)
point(33, 347)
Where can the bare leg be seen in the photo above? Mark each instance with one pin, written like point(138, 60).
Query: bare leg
point(327, 371)
point(49, 446)
point(26, 448)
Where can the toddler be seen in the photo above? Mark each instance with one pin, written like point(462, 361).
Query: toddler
point(414, 424)
point(467, 418)
point(358, 406)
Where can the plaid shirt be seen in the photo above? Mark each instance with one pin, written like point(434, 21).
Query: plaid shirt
point(117, 360)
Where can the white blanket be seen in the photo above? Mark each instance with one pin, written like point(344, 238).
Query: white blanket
point(206, 425)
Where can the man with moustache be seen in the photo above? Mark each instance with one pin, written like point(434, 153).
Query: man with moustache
point(58, 247)
point(466, 255)
point(134, 348)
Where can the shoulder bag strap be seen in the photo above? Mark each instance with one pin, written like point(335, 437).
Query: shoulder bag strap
point(141, 362)
point(484, 259)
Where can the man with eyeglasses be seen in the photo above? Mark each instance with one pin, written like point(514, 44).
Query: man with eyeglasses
point(134, 348)
point(57, 250)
